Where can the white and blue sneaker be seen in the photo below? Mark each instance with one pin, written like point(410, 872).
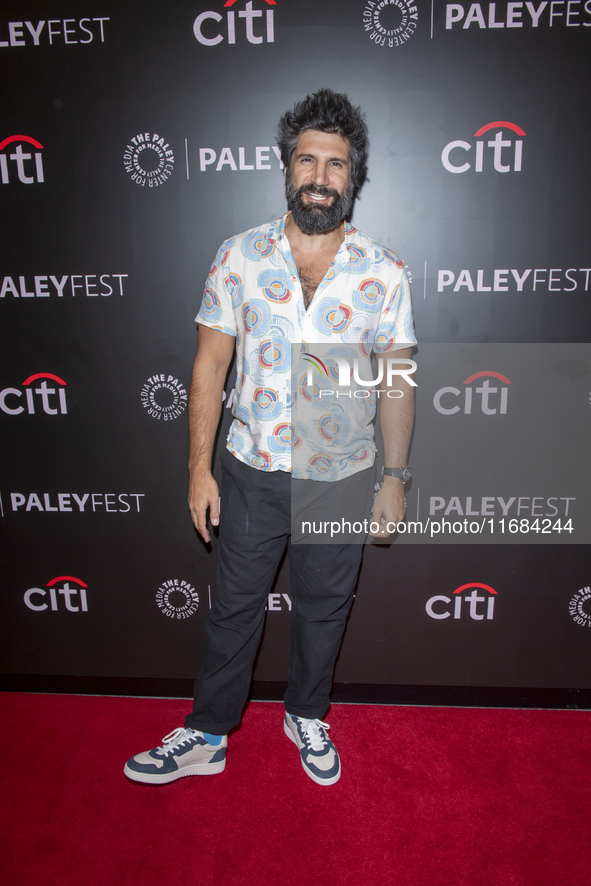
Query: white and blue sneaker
point(184, 752)
point(319, 755)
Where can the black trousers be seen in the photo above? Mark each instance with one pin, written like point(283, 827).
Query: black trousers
point(255, 527)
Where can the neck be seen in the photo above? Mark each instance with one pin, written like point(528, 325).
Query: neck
point(308, 243)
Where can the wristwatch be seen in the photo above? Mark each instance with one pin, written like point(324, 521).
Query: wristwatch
point(402, 473)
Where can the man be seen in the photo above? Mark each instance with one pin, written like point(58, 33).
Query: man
point(308, 278)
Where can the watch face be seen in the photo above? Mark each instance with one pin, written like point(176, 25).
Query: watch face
point(406, 474)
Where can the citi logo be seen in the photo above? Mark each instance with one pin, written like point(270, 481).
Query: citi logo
point(26, 165)
point(505, 151)
point(232, 30)
point(51, 399)
point(61, 595)
point(493, 398)
point(440, 606)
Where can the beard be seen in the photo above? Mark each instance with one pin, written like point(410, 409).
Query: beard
point(312, 218)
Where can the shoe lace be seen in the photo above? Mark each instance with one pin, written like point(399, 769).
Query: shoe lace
point(175, 739)
point(315, 733)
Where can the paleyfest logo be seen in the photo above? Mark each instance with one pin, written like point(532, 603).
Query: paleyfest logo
point(576, 607)
point(149, 160)
point(496, 16)
point(390, 22)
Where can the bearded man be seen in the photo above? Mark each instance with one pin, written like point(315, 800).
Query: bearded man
point(309, 278)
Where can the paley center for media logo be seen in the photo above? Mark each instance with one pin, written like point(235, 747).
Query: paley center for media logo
point(164, 396)
point(493, 398)
point(390, 22)
point(18, 164)
point(177, 599)
point(63, 592)
point(49, 393)
point(504, 154)
point(238, 24)
point(479, 604)
point(576, 607)
point(148, 159)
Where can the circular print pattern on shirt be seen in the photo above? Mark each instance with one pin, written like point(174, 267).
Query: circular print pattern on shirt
point(359, 261)
point(257, 317)
point(370, 295)
point(258, 458)
point(235, 288)
point(266, 404)
point(210, 305)
point(282, 438)
point(321, 467)
point(256, 246)
point(275, 285)
point(275, 354)
point(394, 300)
point(334, 427)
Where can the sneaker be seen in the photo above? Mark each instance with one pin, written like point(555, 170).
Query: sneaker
point(319, 755)
point(184, 752)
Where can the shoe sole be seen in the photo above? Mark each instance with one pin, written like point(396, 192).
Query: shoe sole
point(322, 781)
point(194, 769)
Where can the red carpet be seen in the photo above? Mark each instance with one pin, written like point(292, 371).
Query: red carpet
point(428, 796)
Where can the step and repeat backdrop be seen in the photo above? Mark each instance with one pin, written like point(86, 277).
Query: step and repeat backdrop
point(134, 138)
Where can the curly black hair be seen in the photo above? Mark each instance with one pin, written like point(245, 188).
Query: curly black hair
point(327, 111)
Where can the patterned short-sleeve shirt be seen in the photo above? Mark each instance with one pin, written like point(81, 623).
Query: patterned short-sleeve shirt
point(253, 292)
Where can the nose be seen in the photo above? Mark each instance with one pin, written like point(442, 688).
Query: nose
point(321, 174)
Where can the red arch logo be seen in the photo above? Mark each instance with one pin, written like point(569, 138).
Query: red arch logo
point(500, 124)
point(54, 581)
point(20, 138)
point(474, 584)
point(486, 373)
point(50, 375)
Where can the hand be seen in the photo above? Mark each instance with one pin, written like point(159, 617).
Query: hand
point(388, 506)
point(204, 494)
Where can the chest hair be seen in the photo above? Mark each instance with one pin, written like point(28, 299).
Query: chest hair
point(310, 280)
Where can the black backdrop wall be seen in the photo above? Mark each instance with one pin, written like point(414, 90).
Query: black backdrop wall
point(135, 137)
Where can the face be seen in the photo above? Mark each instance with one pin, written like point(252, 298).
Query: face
point(318, 182)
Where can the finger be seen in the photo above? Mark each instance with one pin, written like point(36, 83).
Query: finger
point(201, 525)
point(214, 512)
